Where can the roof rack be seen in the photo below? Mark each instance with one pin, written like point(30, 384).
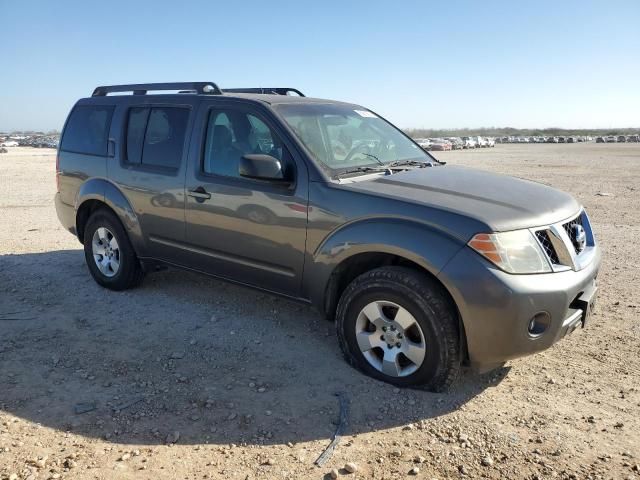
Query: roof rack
point(208, 88)
point(267, 91)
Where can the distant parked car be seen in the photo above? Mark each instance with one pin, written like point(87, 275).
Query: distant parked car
point(481, 142)
point(425, 143)
point(572, 140)
point(491, 142)
point(600, 140)
point(611, 139)
point(440, 145)
point(456, 143)
point(622, 139)
point(469, 142)
point(633, 138)
point(562, 140)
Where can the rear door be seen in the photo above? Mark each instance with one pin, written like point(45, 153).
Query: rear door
point(250, 231)
point(150, 166)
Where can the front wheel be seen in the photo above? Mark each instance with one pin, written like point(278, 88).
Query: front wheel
point(109, 254)
point(398, 325)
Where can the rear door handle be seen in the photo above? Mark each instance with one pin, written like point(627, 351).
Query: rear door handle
point(111, 148)
point(200, 194)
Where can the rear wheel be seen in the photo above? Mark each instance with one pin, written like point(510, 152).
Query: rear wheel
point(398, 325)
point(109, 254)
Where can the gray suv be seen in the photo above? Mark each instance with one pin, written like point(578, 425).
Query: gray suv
point(424, 267)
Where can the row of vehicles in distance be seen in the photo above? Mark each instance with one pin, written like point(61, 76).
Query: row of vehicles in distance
point(433, 144)
point(618, 139)
point(570, 139)
point(548, 139)
point(30, 140)
point(455, 143)
point(460, 143)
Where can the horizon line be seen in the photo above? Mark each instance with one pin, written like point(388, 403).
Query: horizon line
point(448, 129)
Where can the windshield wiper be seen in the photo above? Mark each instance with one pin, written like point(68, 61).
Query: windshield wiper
point(417, 163)
point(363, 170)
point(374, 157)
point(382, 168)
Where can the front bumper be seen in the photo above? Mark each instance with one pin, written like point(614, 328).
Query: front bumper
point(496, 307)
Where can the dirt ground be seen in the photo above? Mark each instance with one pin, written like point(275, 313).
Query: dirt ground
point(188, 378)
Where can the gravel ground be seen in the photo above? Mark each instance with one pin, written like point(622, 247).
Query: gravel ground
point(189, 377)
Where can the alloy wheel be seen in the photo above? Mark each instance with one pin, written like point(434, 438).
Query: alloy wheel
point(106, 251)
point(390, 338)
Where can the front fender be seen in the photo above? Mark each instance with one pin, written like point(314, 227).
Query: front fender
point(104, 191)
point(418, 242)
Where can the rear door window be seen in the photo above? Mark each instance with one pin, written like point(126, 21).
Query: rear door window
point(135, 133)
point(87, 130)
point(155, 136)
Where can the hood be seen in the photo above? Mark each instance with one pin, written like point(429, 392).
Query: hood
point(501, 202)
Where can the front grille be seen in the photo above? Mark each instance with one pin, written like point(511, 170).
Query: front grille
point(568, 245)
point(568, 227)
point(545, 242)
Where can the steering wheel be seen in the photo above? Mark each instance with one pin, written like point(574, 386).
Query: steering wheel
point(354, 150)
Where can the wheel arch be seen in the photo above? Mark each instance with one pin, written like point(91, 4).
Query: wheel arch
point(350, 252)
point(100, 193)
point(358, 264)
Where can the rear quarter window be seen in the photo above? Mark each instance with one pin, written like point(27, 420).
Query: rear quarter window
point(87, 130)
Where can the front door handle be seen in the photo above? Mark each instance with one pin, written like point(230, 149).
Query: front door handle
point(200, 194)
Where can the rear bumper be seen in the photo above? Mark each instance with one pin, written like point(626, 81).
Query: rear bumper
point(66, 214)
point(497, 307)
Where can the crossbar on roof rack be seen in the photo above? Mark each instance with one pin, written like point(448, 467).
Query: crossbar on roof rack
point(208, 88)
point(267, 91)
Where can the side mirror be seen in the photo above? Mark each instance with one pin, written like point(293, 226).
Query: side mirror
point(261, 167)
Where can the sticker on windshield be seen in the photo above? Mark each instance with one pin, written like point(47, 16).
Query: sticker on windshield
point(366, 113)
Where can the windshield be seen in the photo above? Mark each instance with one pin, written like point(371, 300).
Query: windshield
point(343, 137)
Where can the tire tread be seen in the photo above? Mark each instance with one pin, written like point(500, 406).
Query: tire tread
point(133, 273)
point(435, 298)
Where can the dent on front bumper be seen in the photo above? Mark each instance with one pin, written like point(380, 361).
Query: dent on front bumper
point(496, 307)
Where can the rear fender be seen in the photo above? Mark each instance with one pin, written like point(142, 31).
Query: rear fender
point(104, 191)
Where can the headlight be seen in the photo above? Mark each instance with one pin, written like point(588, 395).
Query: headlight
point(513, 252)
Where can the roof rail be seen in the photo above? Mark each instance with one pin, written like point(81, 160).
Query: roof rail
point(208, 88)
point(267, 91)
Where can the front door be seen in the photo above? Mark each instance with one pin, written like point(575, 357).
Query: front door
point(250, 231)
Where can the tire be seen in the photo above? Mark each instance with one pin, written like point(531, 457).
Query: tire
point(104, 225)
point(399, 289)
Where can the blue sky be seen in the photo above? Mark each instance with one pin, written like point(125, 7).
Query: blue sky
point(448, 64)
